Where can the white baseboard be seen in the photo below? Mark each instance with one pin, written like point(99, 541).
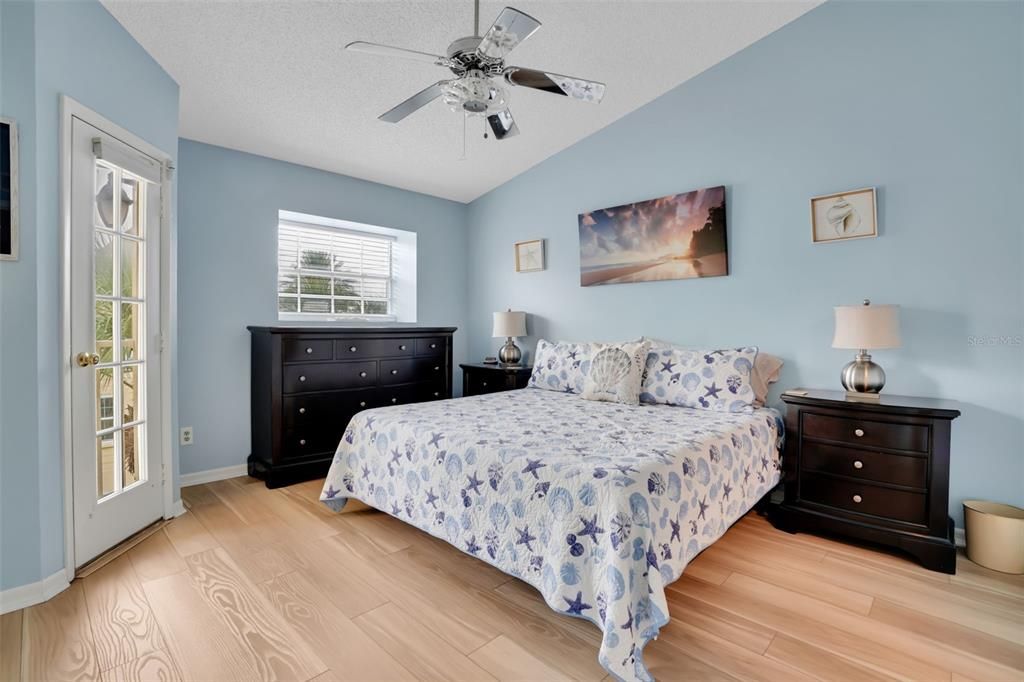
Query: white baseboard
point(177, 509)
point(33, 593)
point(211, 475)
point(959, 537)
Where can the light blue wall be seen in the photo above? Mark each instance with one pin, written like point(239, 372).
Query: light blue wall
point(922, 100)
point(228, 203)
point(52, 48)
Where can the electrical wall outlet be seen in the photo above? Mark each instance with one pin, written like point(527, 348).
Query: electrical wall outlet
point(186, 435)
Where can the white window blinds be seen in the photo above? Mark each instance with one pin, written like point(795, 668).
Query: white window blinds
point(326, 271)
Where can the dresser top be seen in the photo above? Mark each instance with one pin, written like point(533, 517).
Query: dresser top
point(898, 404)
point(365, 330)
point(497, 367)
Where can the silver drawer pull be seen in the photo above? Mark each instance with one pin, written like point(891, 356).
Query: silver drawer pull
point(302, 377)
point(394, 371)
point(352, 349)
point(362, 374)
point(858, 464)
point(302, 410)
point(437, 369)
point(302, 441)
point(402, 347)
point(437, 393)
point(858, 432)
point(433, 345)
point(857, 499)
point(394, 400)
point(362, 403)
point(309, 351)
point(484, 383)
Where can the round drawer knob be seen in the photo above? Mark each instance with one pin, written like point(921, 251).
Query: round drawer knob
point(362, 403)
point(437, 393)
point(858, 432)
point(302, 410)
point(484, 383)
point(302, 377)
point(302, 441)
point(437, 369)
point(394, 371)
point(309, 351)
point(858, 464)
point(433, 345)
point(394, 400)
point(351, 349)
point(857, 499)
point(362, 374)
point(402, 347)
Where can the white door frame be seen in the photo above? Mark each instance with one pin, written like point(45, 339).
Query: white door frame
point(71, 109)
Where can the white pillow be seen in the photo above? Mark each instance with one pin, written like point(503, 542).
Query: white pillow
point(616, 372)
point(766, 369)
point(716, 380)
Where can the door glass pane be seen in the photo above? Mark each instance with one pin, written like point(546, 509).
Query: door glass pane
point(129, 205)
point(131, 272)
point(105, 457)
point(105, 418)
point(103, 253)
point(130, 438)
point(130, 376)
point(130, 331)
point(104, 204)
point(105, 330)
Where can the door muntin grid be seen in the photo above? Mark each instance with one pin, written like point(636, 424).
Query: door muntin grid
point(119, 292)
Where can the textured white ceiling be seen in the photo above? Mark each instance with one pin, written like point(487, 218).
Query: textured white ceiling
point(272, 78)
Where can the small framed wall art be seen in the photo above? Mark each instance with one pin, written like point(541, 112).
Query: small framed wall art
point(8, 189)
point(530, 255)
point(844, 215)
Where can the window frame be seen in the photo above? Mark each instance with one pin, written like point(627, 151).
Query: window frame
point(332, 274)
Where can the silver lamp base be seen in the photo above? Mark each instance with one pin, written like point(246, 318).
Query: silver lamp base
point(862, 378)
point(510, 353)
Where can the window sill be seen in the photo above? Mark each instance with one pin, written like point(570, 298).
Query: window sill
point(332, 319)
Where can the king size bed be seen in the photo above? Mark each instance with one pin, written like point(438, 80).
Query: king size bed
point(598, 505)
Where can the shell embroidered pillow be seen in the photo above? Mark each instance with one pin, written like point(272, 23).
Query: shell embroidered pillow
point(616, 372)
point(717, 380)
point(561, 366)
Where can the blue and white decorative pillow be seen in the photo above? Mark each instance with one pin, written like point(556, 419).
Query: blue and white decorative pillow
point(717, 380)
point(561, 366)
point(616, 372)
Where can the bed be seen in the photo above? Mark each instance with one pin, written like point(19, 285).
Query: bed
point(598, 505)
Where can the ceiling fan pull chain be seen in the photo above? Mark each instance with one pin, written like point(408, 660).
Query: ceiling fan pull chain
point(476, 18)
point(485, 127)
point(464, 133)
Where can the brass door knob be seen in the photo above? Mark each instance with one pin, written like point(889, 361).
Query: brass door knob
point(85, 359)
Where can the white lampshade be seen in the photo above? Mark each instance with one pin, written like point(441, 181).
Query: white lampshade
point(509, 323)
point(867, 326)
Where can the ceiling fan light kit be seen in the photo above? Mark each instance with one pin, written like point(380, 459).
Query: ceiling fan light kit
point(478, 64)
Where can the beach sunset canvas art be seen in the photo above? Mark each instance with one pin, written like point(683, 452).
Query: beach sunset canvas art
point(680, 236)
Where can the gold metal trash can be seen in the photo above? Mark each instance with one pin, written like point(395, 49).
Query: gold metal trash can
point(995, 535)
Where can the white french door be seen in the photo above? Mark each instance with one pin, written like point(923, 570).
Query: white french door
point(115, 204)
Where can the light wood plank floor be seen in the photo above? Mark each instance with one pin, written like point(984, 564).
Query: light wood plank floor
point(258, 584)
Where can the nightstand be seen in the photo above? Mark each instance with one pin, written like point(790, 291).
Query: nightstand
point(871, 471)
point(478, 378)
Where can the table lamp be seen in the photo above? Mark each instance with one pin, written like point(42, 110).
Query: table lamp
point(509, 324)
point(863, 328)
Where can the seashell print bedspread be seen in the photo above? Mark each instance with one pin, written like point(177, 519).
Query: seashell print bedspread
point(598, 505)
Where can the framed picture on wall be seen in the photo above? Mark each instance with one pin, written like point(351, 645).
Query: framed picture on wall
point(844, 215)
point(8, 189)
point(530, 255)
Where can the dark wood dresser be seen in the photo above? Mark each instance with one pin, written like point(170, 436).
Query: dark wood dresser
point(871, 471)
point(307, 382)
point(480, 378)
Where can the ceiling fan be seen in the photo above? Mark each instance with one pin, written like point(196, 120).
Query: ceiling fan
point(478, 64)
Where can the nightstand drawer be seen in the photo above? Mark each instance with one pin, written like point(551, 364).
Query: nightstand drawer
point(866, 433)
point(865, 464)
point(490, 382)
point(864, 498)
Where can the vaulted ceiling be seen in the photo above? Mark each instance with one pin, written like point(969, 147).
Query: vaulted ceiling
point(272, 77)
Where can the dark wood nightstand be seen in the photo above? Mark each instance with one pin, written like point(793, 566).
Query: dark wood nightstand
point(478, 378)
point(872, 471)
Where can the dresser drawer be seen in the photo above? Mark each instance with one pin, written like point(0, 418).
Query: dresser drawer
point(302, 350)
point(435, 390)
point(397, 371)
point(864, 464)
point(350, 402)
point(305, 442)
point(864, 498)
point(434, 345)
point(354, 349)
point(326, 376)
point(304, 410)
point(866, 433)
point(396, 395)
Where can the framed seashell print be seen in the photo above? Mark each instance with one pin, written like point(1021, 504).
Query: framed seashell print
point(530, 255)
point(844, 215)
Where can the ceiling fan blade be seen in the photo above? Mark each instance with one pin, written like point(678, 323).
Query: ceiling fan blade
point(503, 125)
point(508, 30)
point(420, 99)
point(388, 51)
point(577, 88)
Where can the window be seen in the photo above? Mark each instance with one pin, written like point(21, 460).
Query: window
point(330, 272)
